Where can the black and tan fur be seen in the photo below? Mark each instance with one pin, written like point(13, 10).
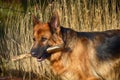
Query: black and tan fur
point(84, 56)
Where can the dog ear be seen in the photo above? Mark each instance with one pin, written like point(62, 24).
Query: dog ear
point(55, 22)
point(35, 20)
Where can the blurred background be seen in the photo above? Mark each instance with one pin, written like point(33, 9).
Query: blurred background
point(16, 30)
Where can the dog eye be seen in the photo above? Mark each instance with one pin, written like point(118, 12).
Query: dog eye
point(43, 39)
point(33, 39)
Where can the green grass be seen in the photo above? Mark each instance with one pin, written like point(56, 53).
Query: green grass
point(16, 30)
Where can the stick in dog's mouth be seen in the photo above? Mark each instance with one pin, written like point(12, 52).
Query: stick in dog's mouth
point(55, 48)
point(49, 50)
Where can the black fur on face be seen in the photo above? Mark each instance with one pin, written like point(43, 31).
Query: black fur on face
point(40, 52)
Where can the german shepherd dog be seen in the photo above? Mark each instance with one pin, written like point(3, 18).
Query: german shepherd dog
point(82, 56)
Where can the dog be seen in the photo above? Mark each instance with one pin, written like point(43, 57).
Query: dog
point(82, 56)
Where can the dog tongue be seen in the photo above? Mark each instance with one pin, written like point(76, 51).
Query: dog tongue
point(40, 59)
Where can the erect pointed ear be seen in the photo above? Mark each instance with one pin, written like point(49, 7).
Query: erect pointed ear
point(35, 20)
point(55, 22)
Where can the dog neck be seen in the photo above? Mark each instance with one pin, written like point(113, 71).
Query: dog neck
point(68, 35)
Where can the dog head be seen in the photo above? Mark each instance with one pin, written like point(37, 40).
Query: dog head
point(45, 35)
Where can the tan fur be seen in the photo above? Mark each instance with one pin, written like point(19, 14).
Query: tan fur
point(78, 59)
point(76, 64)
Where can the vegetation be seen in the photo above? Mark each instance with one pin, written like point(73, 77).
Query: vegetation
point(16, 29)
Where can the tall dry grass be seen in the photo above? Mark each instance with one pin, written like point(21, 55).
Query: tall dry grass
point(16, 30)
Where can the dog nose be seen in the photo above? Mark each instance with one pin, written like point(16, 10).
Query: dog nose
point(33, 53)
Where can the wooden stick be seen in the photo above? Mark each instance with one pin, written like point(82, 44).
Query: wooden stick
point(55, 48)
point(22, 56)
point(49, 50)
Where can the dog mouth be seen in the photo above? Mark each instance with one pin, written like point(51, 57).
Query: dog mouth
point(40, 59)
point(48, 52)
point(43, 57)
